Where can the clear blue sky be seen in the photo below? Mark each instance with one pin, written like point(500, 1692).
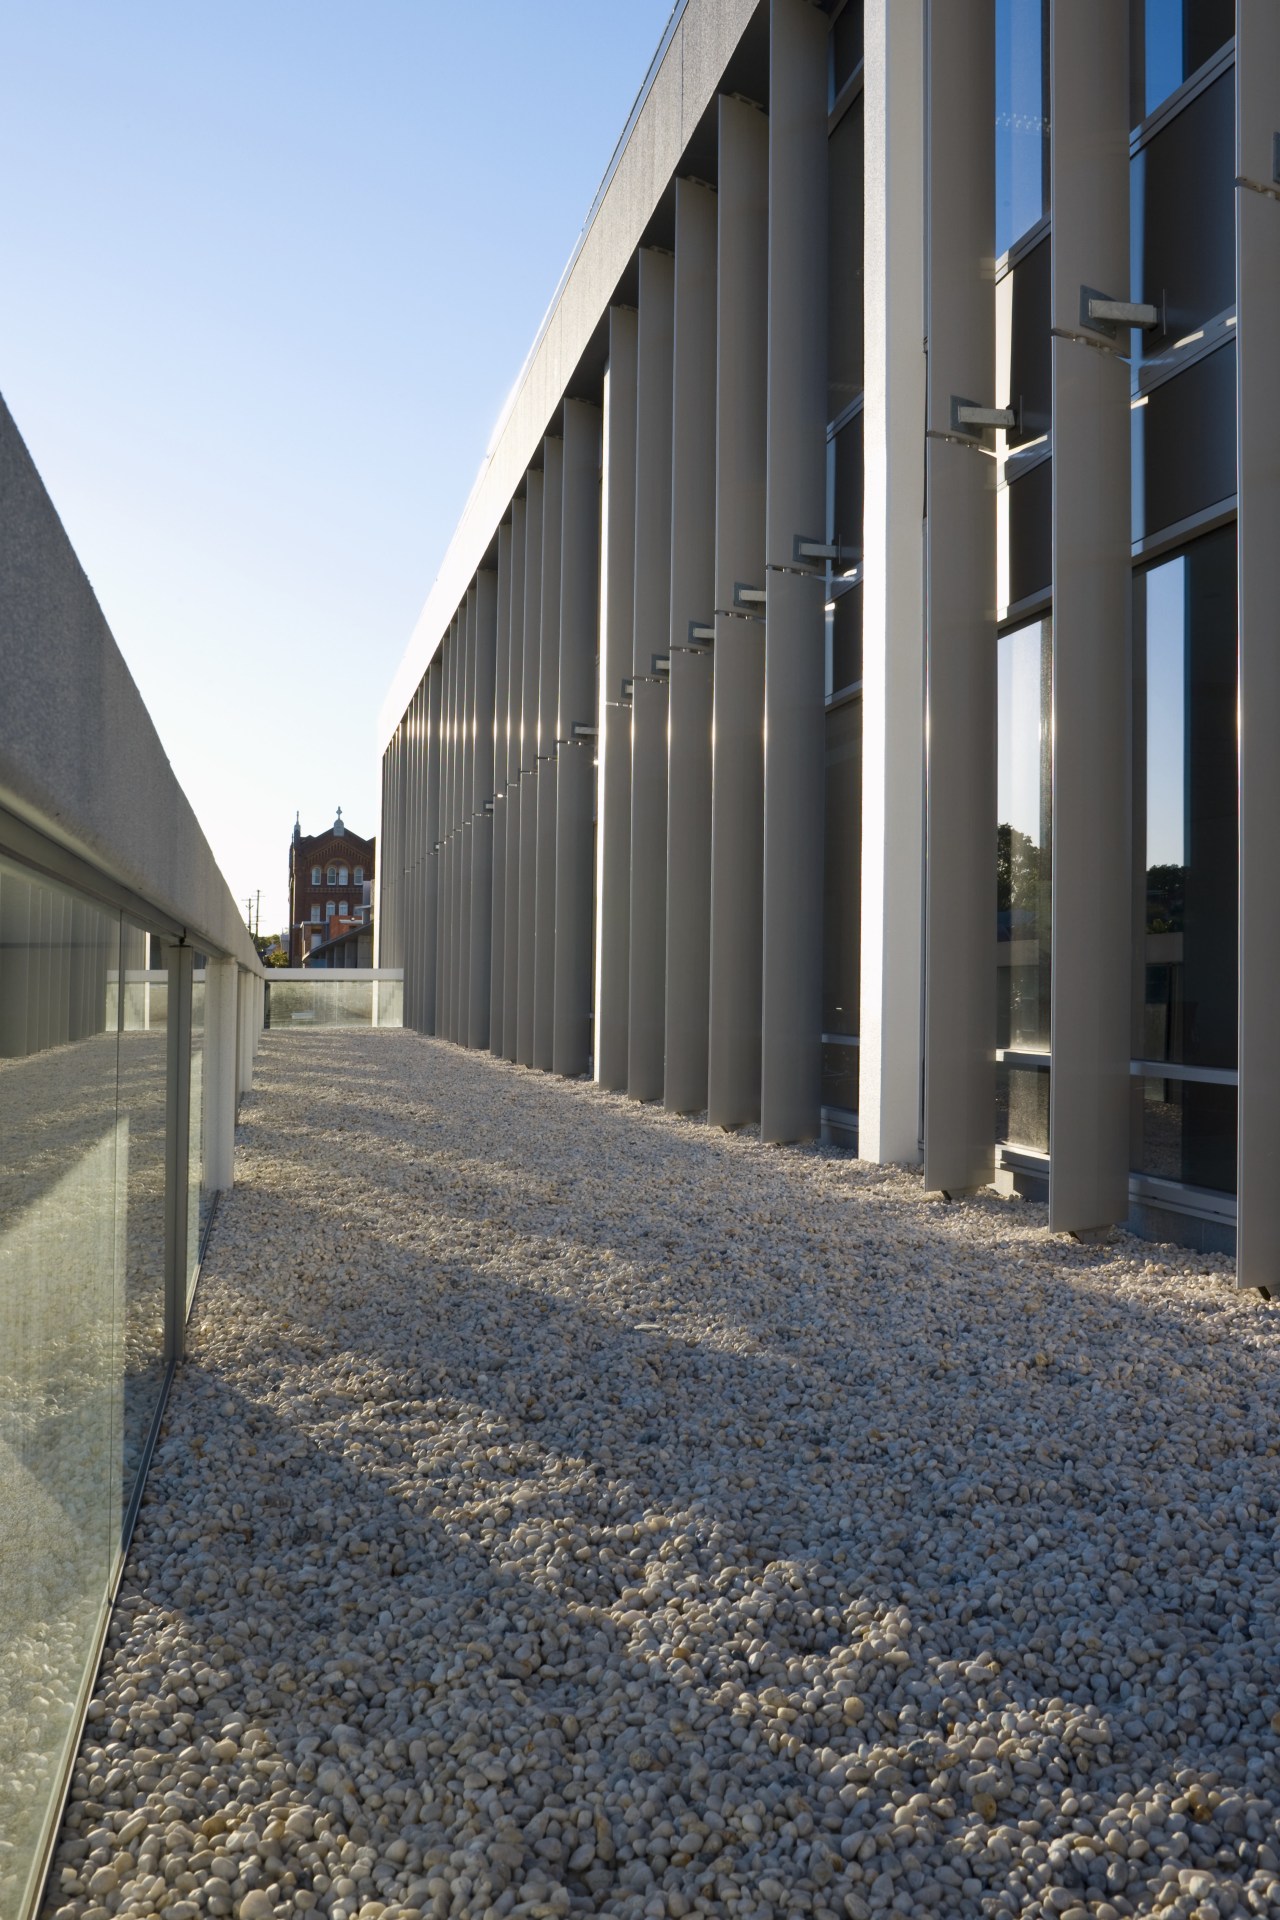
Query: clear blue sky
point(269, 272)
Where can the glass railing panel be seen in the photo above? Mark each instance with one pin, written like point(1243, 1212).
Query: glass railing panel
point(300, 999)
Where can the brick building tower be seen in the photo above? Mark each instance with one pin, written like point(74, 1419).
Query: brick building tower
point(330, 887)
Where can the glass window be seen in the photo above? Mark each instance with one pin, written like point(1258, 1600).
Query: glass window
point(331, 877)
point(1182, 226)
point(61, 1282)
point(359, 876)
point(1022, 118)
point(842, 901)
point(846, 46)
point(844, 493)
point(315, 876)
point(1184, 444)
point(1185, 1130)
point(198, 1200)
point(315, 941)
point(1023, 837)
point(1030, 347)
point(844, 253)
point(1172, 39)
point(1022, 1107)
point(1186, 804)
point(330, 908)
point(343, 909)
point(844, 640)
point(342, 877)
point(315, 914)
point(1030, 509)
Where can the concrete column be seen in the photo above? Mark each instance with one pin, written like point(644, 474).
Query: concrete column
point(1092, 604)
point(651, 643)
point(544, 944)
point(1258, 376)
point(515, 711)
point(960, 550)
point(795, 621)
point(617, 643)
point(737, 799)
point(889, 1057)
point(575, 757)
point(485, 649)
point(431, 860)
point(219, 1073)
point(532, 653)
point(462, 1017)
point(693, 531)
point(498, 795)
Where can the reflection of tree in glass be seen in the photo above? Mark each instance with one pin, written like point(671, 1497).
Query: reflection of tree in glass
point(1166, 895)
point(1017, 876)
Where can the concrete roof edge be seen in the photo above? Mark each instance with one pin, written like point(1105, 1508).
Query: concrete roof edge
point(657, 131)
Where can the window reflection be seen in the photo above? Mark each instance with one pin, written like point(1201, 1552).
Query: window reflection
point(844, 253)
point(1182, 223)
point(1185, 662)
point(1171, 40)
point(1022, 117)
point(1024, 791)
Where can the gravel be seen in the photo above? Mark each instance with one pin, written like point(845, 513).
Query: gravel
point(567, 1508)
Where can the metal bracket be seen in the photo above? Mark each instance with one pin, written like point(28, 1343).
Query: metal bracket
point(661, 663)
point(581, 731)
point(1108, 316)
point(805, 549)
point(628, 688)
point(488, 806)
point(747, 598)
point(967, 416)
point(700, 636)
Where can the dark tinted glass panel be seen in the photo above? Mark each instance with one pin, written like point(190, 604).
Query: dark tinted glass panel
point(1182, 229)
point(1022, 1107)
point(846, 45)
point(840, 1078)
point(1185, 661)
point(1185, 1131)
point(1184, 444)
point(1030, 347)
point(1031, 532)
point(844, 284)
point(1171, 40)
point(845, 486)
point(1022, 117)
point(844, 640)
point(841, 923)
point(1024, 792)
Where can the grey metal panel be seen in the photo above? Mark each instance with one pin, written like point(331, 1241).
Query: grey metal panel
point(485, 649)
point(1092, 795)
point(529, 765)
point(498, 790)
point(651, 636)
point(960, 596)
point(693, 530)
point(795, 621)
point(737, 801)
point(431, 882)
point(462, 992)
point(1258, 493)
point(544, 971)
point(446, 659)
point(617, 640)
point(511, 858)
point(889, 1053)
point(575, 760)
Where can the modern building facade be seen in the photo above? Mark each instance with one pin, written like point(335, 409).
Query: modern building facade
point(849, 701)
point(130, 1004)
point(330, 882)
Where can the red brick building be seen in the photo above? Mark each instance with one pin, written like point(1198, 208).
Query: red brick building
point(330, 887)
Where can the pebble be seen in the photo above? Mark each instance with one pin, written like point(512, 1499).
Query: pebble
point(566, 1508)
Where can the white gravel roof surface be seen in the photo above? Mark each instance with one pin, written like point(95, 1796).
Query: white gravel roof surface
point(569, 1508)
